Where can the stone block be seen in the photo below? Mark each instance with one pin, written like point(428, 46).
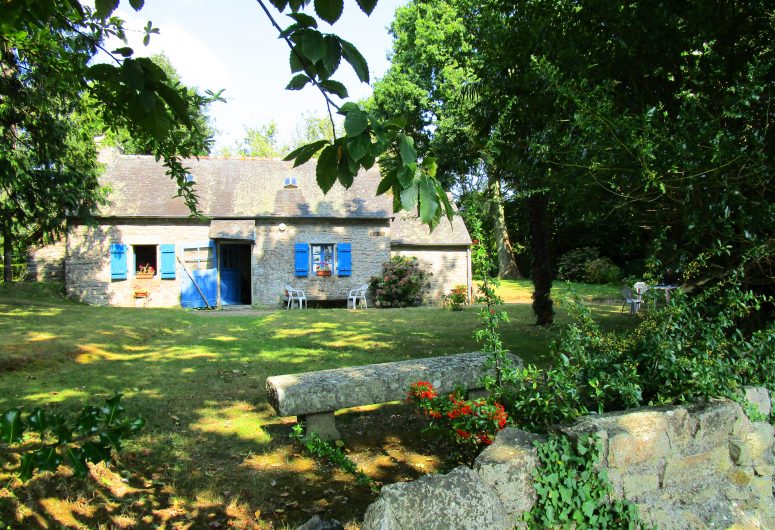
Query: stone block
point(682, 471)
point(712, 423)
point(459, 500)
point(507, 466)
point(760, 397)
point(754, 446)
point(322, 423)
point(633, 437)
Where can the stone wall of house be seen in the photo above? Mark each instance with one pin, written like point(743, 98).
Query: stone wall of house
point(704, 466)
point(46, 263)
point(273, 256)
point(87, 265)
point(450, 266)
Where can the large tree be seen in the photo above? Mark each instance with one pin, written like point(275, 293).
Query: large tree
point(48, 82)
point(430, 70)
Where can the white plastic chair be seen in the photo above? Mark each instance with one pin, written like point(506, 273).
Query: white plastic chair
point(358, 295)
point(631, 299)
point(295, 295)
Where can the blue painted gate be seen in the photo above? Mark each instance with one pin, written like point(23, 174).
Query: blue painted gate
point(200, 262)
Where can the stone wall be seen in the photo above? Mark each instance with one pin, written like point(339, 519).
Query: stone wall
point(87, 269)
point(46, 263)
point(273, 256)
point(704, 466)
point(450, 266)
point(272, 260)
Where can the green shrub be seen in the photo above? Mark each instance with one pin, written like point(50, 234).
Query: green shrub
point(457, 298)
point(691, 349)
point(602, 271)
point(403, 283)
point(572, 265)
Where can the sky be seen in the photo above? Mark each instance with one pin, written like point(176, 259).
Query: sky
point(231, 45)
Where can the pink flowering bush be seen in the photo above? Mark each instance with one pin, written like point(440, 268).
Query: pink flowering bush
point(468, 424)
point(402, 283)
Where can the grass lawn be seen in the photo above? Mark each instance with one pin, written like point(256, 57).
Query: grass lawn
point(213, 452)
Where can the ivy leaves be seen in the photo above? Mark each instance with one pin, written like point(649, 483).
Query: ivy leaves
point(91, 437)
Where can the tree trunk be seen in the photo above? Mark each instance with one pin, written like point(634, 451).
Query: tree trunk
point(7, 256)
point(507, 265)
point(537, 205)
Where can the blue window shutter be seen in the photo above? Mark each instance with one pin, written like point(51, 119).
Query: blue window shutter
point(117, 261)
point(344, 263)
point(302, 259)
point(167, 262)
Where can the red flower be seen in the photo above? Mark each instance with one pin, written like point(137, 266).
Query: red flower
point(462, 433)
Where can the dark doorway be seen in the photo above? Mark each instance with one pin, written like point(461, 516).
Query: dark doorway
point(235, 273)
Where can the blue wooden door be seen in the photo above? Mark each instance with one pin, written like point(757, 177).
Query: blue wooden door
point(231, 278)
point(200, 262)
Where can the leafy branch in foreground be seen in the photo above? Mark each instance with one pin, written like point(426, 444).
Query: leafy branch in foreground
point(314, 58)
point(90, 437)
point(322, 449)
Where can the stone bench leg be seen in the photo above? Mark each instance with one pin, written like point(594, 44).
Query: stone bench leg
point(322, 423)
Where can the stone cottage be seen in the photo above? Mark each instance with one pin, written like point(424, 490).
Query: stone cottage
point(265, 225)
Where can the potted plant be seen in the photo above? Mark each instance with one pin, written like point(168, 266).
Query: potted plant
point(145, 271)
point(324, 269)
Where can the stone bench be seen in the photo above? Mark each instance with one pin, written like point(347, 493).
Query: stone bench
point(315, 396)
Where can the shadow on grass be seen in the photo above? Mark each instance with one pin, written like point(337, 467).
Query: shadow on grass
point(213, 451)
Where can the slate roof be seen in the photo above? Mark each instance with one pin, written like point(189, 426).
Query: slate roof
point(234, 188)
point(253, 188)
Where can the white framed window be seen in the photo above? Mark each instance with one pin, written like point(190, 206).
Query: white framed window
point(322, 258)
point(290, 183)
point(146, 259)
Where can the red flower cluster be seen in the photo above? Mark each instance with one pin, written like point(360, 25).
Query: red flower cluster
point(421, 390)
point(467, 422)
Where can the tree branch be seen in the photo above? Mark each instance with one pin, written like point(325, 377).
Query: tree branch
point(301, 61)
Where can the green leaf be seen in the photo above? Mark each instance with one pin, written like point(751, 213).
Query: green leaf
point(326, 170)
point(297, 4)
point(333, 55)
point(104, 8)
point(348, 107)
point(312, 45)
point(27, 467)
point(407, 150)
point(358, 146)
point(112, 408)
point(329, 10)
point(429, 203)
point(355, 122)
point(356, 60)
point(588, 508)
point(430, 165)
point(386, 184)
point(304, 20)
point(96, 453)
point(137, 5)
point(345, 172)
point(296, 63)
point(298, 82)
point(37, 420)
point(279, 4)
point(11, 427)
point(367, 6)
point(305, 152)
point(409, 198)
point(396, 123)
point(406, 175)
point(124, 52)
point(335, 87)
point(47, 458)
point(77, 461)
